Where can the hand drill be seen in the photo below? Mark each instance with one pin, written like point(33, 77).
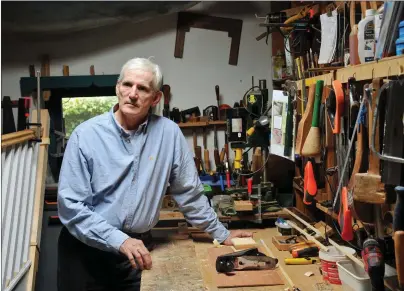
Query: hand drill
point(374, 263)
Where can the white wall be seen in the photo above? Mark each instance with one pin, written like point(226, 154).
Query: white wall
point(192, 78)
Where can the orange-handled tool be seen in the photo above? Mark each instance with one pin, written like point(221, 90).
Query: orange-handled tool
point(249, 187)
point(345, 217)
point(339, 106)
point(310, 185)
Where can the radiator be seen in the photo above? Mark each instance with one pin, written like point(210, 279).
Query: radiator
point(19, 159)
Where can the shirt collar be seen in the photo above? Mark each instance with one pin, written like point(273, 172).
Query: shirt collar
point(142, 127)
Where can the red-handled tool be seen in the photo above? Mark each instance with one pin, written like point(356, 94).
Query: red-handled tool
point(249, 187)
point(345, 217)
point(310, 185)
point(336, 106)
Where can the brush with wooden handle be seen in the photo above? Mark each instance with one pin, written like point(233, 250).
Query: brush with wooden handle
point(305, 122)
point(312, 146)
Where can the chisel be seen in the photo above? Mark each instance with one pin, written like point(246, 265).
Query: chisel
point(216, 150)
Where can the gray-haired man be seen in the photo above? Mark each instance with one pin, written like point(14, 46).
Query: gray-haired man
point(115, 172)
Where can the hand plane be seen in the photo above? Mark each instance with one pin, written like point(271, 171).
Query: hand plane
point(249, 259)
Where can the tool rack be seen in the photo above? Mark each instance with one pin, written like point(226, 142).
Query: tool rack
point(388, 68)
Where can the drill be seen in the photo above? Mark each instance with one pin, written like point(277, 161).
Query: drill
point(374, 263)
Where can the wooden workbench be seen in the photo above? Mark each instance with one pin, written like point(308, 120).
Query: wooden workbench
point(296, 272)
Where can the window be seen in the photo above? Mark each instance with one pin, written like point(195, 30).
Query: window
point(79, 109)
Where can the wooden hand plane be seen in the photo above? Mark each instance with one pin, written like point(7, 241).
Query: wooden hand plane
point(249, 259)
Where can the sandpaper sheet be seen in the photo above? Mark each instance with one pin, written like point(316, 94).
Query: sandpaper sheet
point(241, 278)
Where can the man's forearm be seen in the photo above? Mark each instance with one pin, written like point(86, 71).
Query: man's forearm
point(199, 213)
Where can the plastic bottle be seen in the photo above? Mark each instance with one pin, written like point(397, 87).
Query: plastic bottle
point(366, 37)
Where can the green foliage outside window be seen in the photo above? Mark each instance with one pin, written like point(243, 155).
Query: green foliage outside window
point(79, 109)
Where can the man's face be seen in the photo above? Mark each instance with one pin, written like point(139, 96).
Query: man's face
point(135, 93)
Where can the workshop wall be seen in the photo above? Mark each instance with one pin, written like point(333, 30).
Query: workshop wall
point(192, 78)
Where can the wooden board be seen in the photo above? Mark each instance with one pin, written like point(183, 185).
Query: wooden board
point(175, 267)
point(174, 214)
point(386, 67)
point(42, 168)
point(241, 278)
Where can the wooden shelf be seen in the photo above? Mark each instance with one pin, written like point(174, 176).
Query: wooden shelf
point(166, 214)
point(193, 124)
point(383, 68)
point(201, 123)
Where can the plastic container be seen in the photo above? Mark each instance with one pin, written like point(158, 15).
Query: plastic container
point(329, 261)
point(366, 37)
point(284, 229)
point(400, 40)
point(353, 277)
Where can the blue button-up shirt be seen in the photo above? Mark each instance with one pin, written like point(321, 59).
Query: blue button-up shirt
point(113, 182)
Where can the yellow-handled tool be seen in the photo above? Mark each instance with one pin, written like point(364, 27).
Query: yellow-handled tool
point(301, 261)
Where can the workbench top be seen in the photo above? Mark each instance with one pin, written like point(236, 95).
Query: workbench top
point(295, 272)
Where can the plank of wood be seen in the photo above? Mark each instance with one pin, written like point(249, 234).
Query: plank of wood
point(13, 138)
point(241, 278)
point(386, 67)
point(176, 215)
point(243, 205)
point(40, 178)
point(175, 267)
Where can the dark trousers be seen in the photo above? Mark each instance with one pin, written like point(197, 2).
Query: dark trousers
point(84, 268)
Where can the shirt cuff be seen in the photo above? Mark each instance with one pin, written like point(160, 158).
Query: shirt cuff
point(116, 239)
point(220, 234)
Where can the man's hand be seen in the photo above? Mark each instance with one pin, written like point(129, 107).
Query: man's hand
point(134, 248)
point(236, 233)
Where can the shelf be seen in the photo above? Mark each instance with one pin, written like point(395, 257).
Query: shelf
point(201, 123)
point(383, 68)
point(173, 214)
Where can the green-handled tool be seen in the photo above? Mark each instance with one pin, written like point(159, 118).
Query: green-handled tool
point(312, 145)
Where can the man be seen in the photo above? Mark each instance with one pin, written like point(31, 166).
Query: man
point(115, 172)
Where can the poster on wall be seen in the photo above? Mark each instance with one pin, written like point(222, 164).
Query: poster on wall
point(278, 125)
